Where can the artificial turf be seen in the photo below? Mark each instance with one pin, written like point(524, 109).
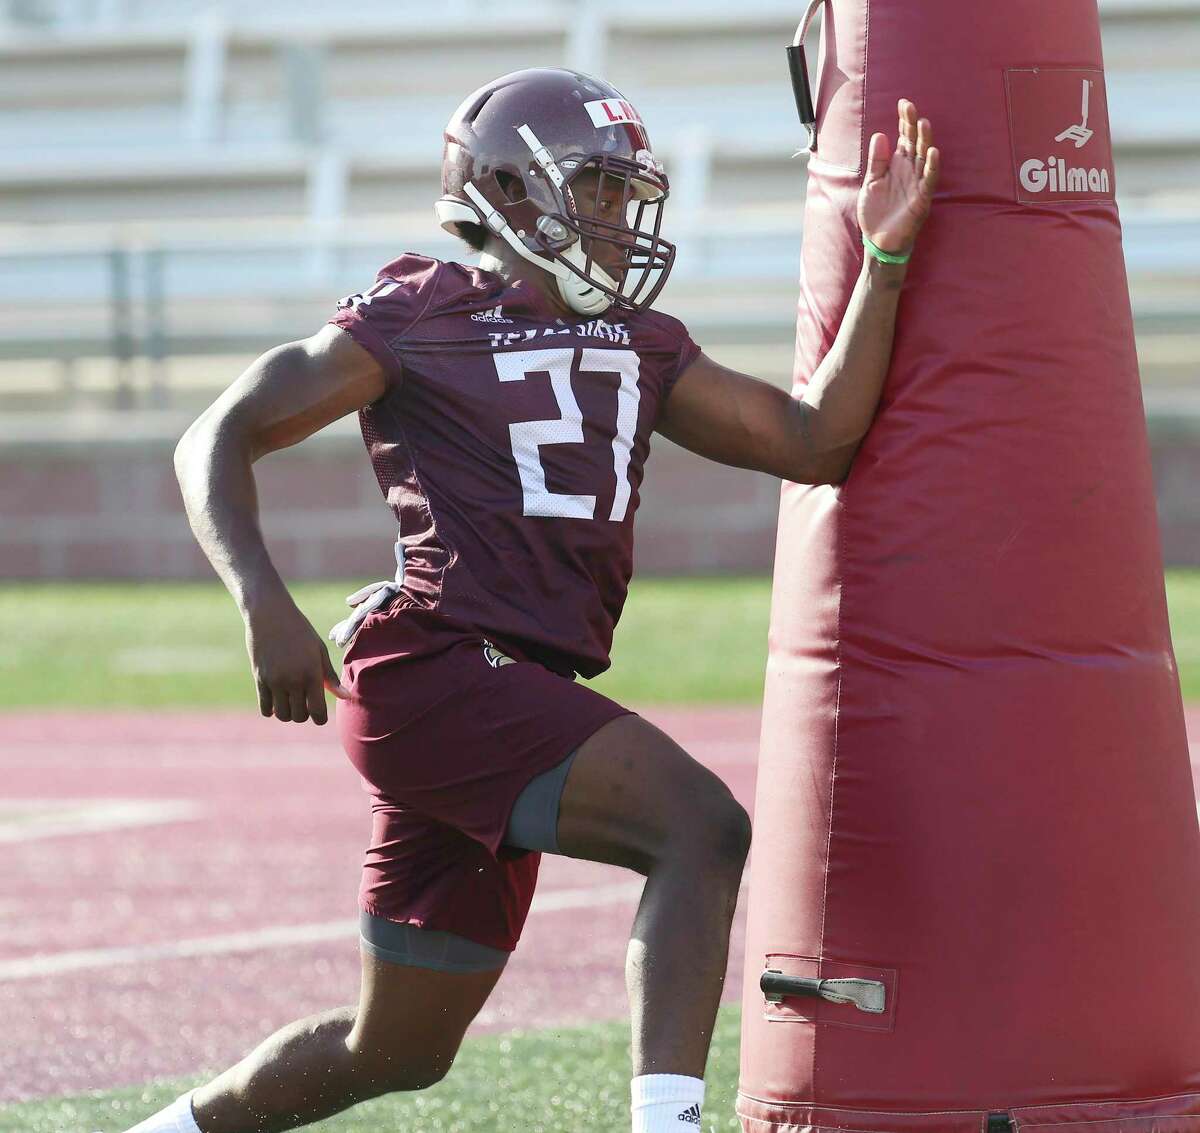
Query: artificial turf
point(551, 1081)
point(180, 645)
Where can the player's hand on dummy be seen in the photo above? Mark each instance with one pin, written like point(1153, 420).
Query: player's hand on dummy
point(899, 186)
point(291, 665)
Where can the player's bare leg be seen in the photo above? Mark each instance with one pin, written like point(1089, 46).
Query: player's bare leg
point(403, 1036)
point(635, 798)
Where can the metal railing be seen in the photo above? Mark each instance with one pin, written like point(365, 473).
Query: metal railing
point(148, 301)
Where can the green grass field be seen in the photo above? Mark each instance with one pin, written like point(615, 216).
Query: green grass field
point(554, 1081)
point(179, 645)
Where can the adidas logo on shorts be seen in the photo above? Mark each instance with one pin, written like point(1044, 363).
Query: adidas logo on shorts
point(495, 315)
point(494, 657)
point(692, 1115)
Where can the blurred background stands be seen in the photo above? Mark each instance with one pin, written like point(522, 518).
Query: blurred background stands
point(180, 191)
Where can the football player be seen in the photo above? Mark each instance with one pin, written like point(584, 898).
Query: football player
point(508, 410)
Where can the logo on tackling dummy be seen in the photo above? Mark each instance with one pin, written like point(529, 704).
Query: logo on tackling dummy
point(1052, 163)
point(1080, 134)
point(494, 315)
point(611, 111)
point(494, 657)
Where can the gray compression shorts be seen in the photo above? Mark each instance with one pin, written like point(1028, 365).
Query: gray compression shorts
point(533, 825)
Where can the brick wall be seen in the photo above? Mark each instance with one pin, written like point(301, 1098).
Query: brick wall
point(108, 507)
point(1176, 449)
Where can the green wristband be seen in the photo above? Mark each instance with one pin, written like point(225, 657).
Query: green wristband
point(882, 256)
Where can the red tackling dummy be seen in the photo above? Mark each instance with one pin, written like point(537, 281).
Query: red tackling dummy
point(974, 791)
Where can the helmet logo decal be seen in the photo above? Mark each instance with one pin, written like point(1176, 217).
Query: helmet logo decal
point(611, 111)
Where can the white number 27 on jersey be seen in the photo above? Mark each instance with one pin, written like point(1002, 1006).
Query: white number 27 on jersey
point(528, 436)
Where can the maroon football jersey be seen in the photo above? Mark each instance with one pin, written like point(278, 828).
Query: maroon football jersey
point(510, 445)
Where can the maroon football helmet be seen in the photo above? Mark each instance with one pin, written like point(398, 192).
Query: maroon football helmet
point(513, 150)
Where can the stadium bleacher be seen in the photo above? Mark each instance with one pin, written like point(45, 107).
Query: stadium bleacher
point(151, 158)
point(182, 187)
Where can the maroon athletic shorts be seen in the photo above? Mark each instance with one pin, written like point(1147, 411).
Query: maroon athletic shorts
point(446, 733)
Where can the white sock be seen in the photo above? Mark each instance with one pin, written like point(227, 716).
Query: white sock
point(176, 1118)
point(667, 1103)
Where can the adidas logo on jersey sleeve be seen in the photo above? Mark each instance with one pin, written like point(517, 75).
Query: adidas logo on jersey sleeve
point(494, 315)
point(691, 1115)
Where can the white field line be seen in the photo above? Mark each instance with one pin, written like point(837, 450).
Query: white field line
point(56, 963)
point(26, 820)
point(198, 757)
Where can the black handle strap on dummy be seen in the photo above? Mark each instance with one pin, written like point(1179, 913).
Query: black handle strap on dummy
point(798, 68)
point(801, 87)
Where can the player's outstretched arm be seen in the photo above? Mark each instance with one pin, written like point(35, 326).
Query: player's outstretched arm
point(286, 395)
point(745, 422)
point(742, 421)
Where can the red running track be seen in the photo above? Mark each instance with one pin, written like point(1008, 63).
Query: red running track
point(173, 887)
